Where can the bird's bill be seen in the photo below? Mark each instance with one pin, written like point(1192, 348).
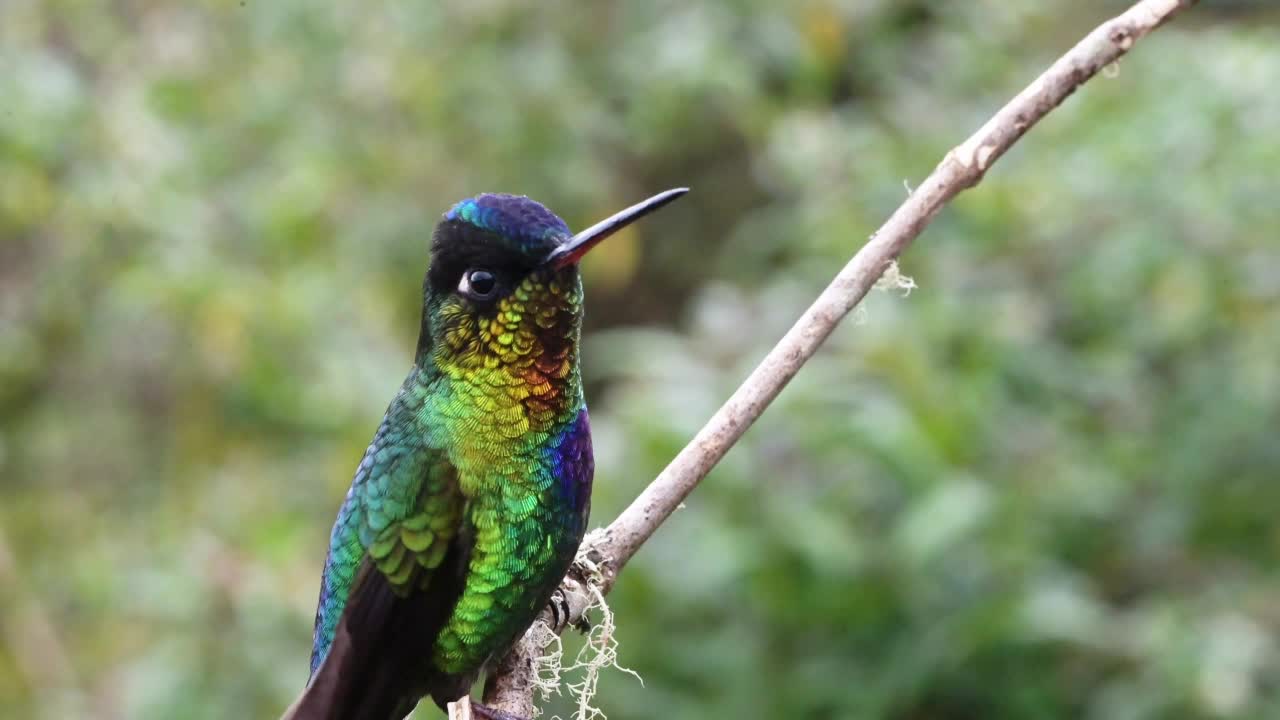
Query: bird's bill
point(577, 246)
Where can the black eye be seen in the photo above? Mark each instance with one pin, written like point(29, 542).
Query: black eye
point(478, 283)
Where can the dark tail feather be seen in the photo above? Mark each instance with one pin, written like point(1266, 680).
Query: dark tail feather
point(378, 665)
point(374, 669)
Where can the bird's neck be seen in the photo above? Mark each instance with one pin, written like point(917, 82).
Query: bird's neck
point(498, 415)
point(504, 384)
point(498, 424)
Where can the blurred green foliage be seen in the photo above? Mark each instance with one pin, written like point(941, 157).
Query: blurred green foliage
point(1044, 485)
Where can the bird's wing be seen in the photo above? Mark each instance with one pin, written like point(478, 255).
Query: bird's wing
point(395, 567)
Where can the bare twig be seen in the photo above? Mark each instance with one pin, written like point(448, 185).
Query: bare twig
point(962, 168)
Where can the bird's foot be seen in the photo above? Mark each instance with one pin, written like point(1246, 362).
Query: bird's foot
point(562, 613)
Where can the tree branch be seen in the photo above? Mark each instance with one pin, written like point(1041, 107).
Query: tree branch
point(510, 688)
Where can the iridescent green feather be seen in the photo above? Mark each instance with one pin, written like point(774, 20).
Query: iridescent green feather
point(482, 465)
point(402, 511)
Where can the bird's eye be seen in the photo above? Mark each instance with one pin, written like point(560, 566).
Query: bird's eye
point(478, 283)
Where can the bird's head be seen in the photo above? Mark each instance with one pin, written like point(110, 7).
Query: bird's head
point(503, 290)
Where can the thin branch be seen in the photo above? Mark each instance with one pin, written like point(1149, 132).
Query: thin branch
point(962, 168)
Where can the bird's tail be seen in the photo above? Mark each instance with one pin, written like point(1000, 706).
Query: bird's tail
point(374, 669)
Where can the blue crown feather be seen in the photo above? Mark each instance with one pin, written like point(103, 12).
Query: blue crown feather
point(515, 217)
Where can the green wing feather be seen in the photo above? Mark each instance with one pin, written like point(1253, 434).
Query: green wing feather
point(402, 512)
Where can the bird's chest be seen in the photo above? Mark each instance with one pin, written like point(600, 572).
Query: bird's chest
point(526, 519)
point(510, 478)
point(528, 513)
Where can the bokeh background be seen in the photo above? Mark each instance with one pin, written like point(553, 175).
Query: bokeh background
point(1043, 485)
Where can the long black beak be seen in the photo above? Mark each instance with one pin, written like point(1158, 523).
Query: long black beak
point(577, 246)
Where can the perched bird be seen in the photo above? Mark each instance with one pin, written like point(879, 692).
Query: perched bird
point(472, 499)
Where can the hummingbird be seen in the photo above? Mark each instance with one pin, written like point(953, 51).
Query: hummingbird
point(470, 503)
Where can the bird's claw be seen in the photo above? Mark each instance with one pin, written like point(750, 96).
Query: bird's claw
point(562, 612)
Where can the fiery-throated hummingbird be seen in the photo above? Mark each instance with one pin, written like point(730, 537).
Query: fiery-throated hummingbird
point(472, 499)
